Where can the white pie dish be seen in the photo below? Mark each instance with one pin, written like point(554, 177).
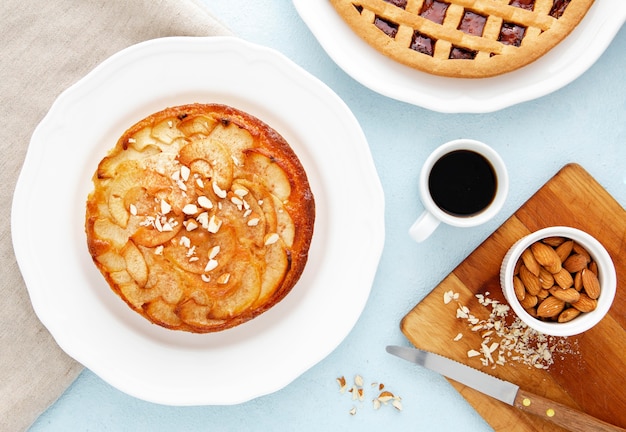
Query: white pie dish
point(560, 66)
point(94, 326)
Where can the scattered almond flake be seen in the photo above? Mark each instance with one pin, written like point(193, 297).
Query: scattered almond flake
point(214, 251)
point(235, 160)
point(240, 192)
point(472, 353)
point(176, 175)
point(223, 278)
point(158, 250)
point(191, 252)
point(204, 202)
point(205, 278)
point(214, 224)
point(221, 193)
point(190, 225)
point(190, 209)
point(132, 209)
point(358, 380)
point(385, 396)
point(170, 123)
point(200, 183)
point(166, 227)
point(194, 259)
point(357, 391)
point(165, 207)
point(185, 241)
point(184, 172)
point(237, 201)
point(260, 202)
point(253, 222)
point(132, 140)
point(376, 404)
point(247, 213)
point(397, 404)
point(342, 384)
point(353, 411)
point(450, 295)
point(157, 225)
point(181, 185)
point(458, 337)
point(271, 239)
point(210, 265)
point(506, 338)
point(203, 219)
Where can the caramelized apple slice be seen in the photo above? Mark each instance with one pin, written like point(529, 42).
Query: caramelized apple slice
point(233, 137)
point(136, 296)
point(196, 125)
point(108, 166)
point(112, 261)
point(275, 269)
point(270, 172)
point(106, 230)
point(162, 313)
point(242, 296)
point(135, 263)
point(128, 179)
point(166, 132)
point(215, 156)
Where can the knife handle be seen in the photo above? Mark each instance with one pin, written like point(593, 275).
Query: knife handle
point(564, 416)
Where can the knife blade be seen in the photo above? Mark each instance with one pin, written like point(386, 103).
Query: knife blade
point(507, 392)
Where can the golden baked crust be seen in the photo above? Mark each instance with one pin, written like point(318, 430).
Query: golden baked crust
point(463, 38)
point(201, 217)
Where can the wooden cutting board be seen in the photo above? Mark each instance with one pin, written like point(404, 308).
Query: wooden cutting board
point(590, 374)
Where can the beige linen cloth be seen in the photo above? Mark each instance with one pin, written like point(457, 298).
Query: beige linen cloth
point(46, 46)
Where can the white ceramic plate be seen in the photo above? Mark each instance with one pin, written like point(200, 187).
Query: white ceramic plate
point(94, 326)
point(560, 66)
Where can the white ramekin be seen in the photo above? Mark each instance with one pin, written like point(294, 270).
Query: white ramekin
point(606, 273)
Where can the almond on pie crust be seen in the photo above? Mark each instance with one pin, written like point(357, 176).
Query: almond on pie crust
point(463, 38)
point(201, 217)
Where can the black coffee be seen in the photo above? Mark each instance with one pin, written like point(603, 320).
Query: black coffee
point(462, 183)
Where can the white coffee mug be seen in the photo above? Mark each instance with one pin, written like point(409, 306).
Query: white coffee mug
point(459, 152)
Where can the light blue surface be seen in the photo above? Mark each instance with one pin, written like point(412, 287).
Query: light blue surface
point(585, 122)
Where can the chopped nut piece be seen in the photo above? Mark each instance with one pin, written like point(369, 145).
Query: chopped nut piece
point(204, 202)
point(190, 209)
point(210, 265)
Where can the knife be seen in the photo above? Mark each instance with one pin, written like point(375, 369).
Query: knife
point(509, 393)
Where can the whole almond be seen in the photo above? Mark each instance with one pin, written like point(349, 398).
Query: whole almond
point(531, 282)
point(518, 287)
point(568, 315)
point(581, 250)
point(585, 303)
point(563, 278)
point(529, 301)
point(545, 278)
point(553, 241)
point(569, 295)
point(546, 256)
point(575, 263)
point(591, 284)
point(578, 281)
point(593, 266)
point(550, 307)
point(564, 249)
point(530, 262)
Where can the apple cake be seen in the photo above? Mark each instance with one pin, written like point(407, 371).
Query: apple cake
point(463, 38)
point(201, 217)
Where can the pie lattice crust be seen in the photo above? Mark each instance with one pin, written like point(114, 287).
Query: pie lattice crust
point(463, 38)
point(201, 217)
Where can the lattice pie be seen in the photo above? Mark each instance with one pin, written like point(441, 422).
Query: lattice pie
point(201, 217)
point(463, 38)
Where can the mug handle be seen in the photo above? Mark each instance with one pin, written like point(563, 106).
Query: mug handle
point(423, 227)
